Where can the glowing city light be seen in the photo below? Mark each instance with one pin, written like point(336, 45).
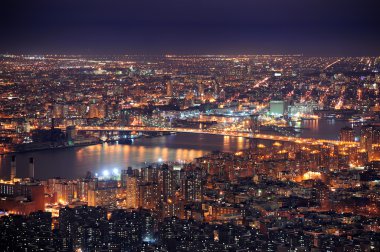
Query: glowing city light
point(106, 173)
point(115, 171)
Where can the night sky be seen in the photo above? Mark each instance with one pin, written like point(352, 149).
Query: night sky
point(309, 27)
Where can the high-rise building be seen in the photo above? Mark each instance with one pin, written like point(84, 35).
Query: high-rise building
point(222, 95)
point(65, 110)
point(148, 195)
point(347, 134)
point(149, 174)
point(169, 88)
point(123, 178)
point(303, 108)
point(126, 117)
point(216, 85)
point(167, 183)
point(366, 137)
point(82, 189)
point(65, 191)
point(132, 192)
point(101, 110)
point(104, 197)
point(201, 89)
point(93, 111)
point(57, 110)
point(370, 140)
point(22, 198)
point(278, 108)
point(192, 186)
point(77, 235)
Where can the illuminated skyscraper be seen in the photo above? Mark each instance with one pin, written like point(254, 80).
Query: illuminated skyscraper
point(123, 178)
point(192, 186)
point(370, 140)
point(169, 88)
point(167, 183)
point(149, 174)
point(132, 192)
point(278, 107)
point(366, 137)
point(105, 197)
point(347, 134)
point(148, 196)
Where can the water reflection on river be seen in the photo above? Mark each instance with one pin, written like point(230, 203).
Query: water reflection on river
point(75, 162)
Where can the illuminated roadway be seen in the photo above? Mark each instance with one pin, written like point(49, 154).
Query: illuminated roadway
point(258, 84)
point(330, 65)
point(216, 132)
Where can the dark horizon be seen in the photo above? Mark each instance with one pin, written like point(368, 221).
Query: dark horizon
point(310, 28)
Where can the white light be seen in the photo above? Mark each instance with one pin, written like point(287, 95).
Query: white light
point(106, 173)
point(115, 171)
point(160, 160)
point(96, 174)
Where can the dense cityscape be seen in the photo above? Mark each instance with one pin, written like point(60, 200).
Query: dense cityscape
point(290, 190)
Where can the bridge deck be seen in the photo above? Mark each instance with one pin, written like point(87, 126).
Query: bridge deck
point(218, 132)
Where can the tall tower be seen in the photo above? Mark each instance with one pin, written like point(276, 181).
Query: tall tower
point(216, 88)
point(169, 88)
point(13, 167)
point(255, 124)
point(31, 167)
point(366, 137)
point(222, 95)
point(201, 89)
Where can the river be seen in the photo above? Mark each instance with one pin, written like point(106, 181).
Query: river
point(75, 162)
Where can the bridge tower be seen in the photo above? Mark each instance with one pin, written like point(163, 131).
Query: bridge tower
point(254, 123)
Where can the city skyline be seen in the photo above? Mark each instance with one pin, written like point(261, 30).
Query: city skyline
point(178, 126)
point(189, 153)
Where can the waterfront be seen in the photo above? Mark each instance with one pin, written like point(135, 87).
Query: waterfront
point(75, 162)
